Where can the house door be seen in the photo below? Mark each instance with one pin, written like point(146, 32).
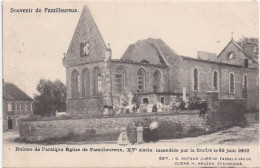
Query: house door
point(10, 123)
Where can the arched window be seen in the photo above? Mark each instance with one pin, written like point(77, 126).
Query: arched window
point(215, 80)
point(119, 80)
point(141, 81)
point(157, 81)
point(231, 83)
point(97, 80)
point(196, 79)
point(75, 83)
point(244, 86)
point(85, 81)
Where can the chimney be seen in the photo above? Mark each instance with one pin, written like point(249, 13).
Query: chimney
point(249, 49)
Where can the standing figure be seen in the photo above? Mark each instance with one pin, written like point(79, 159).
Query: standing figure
point(203, 108)
point(123, 139)
point(140, 130)
point(133, 134)
point(147, 132)
point(154, 131)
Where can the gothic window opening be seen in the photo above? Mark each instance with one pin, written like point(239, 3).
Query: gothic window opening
point(195, 82)
point(232, 83)
point(85, 81)
point(157, 81)
point(120, 80)
point(215, 80)
point(97, 79)
point(244, 82)
point(75, 83)
point(141, 81)
point(99, 84)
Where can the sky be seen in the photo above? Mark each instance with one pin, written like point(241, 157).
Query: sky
point(34, 43)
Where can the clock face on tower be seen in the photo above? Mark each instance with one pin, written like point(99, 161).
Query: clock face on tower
point(84, 48)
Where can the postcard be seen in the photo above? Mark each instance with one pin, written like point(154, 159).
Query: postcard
point(130, 84)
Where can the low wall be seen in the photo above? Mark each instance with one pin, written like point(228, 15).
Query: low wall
point(58, 128)
point(223, 113)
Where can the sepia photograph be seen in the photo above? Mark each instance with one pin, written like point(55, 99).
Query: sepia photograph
point(130, 83)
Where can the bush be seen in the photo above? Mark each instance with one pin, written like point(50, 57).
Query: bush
point(194, 131)
point(168, 129)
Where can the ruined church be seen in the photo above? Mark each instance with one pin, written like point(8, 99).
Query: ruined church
point(150, 71)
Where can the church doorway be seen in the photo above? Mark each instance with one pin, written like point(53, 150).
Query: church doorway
point(10, 122)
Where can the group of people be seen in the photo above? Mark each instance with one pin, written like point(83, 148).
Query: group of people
point(192, 104)
point(138, 134)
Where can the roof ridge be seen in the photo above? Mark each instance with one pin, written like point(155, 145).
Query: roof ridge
point(160, 53)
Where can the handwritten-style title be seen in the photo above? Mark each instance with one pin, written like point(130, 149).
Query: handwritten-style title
point(43, 10)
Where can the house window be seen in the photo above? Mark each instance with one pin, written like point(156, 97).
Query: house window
point(244, 86)
point(157, 81)
point(120, 80)
point(9, 107)
point(97, 79)
point(85, 81)
point(141, 81)
point(25, 107)
point(20, 107)
point(31, 107)
point(215, 80)
point(28, 107)
point(75, 83)
point(195, 77)
point(231, 83)
point(16, 107)
point(257, 81)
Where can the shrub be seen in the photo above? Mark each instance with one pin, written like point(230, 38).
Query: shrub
point(194, 131)
point(169, 129)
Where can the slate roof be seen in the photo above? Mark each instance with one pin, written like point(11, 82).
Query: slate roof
point(12, 92)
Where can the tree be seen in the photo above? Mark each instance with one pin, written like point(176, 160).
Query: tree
point(51, 97)
point(252, 40)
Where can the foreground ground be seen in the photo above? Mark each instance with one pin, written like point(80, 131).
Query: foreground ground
point(231, 138)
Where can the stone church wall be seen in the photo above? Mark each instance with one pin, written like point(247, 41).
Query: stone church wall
point(206, 74)
point(131, 71)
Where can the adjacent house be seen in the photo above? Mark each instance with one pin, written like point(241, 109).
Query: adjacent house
point(16, 105)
